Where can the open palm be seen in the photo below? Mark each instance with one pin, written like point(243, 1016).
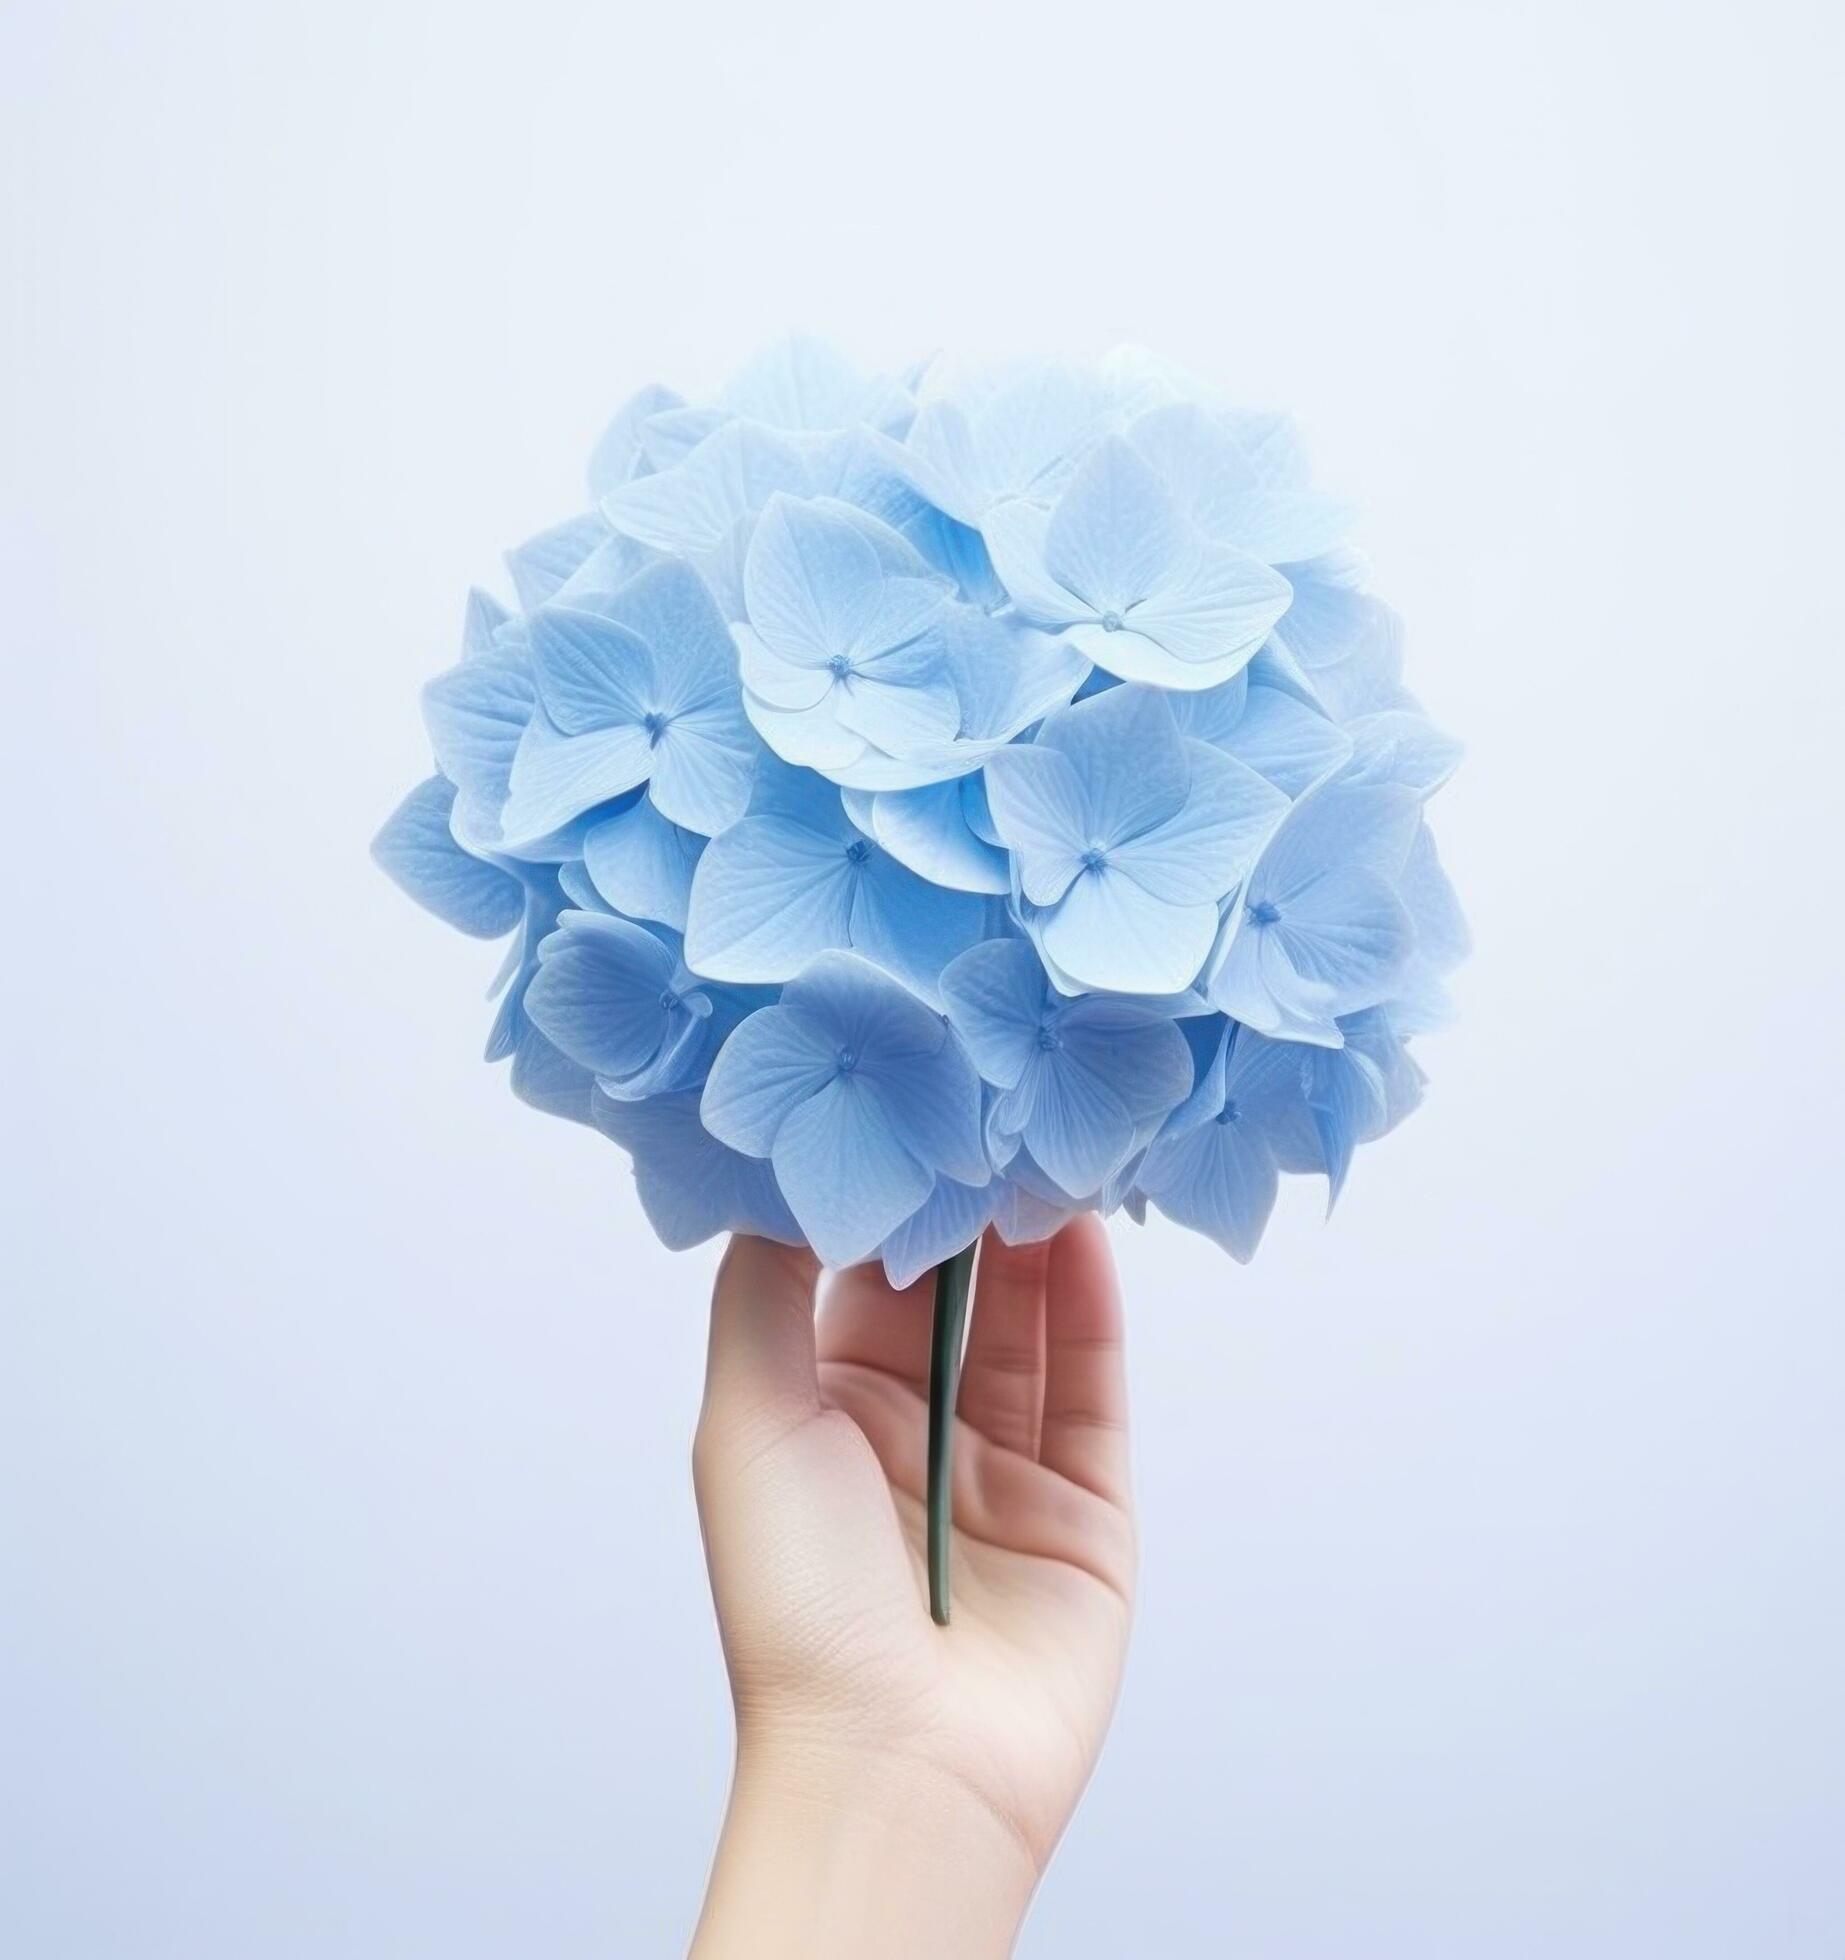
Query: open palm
point(810, 1469)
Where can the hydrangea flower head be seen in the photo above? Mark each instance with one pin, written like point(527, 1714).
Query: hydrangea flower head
point(945, 800)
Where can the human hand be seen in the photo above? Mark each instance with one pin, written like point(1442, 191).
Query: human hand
point(900, 1786)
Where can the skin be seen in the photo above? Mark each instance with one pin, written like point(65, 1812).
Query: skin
point(899, 1786)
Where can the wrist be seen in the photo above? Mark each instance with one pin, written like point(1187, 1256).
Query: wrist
point(828, 1852)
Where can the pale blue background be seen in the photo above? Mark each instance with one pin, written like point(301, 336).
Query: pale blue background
point(350, 1597)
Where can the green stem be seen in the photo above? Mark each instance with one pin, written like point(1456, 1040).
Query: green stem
point(951, 1287)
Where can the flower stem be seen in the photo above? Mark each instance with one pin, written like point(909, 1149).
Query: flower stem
point(952, 1278)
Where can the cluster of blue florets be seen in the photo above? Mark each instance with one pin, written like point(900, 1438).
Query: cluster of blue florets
point(935, 802)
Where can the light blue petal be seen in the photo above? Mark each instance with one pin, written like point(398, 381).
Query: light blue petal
point(541, 564)
point(1115, 535)
point(1219, 489)
point(821, 583)
point(847, 1178)
point(475, 714)
point(643, 865)
point(1291, 744)
point(1006, 675)
point(1129, 756)
point(959, 552)
point(557, 777)
point(618, 454)
point(909, 926)
point(929, 830)
point(899, 1051)
point(418, 852)
point(603, 573)
point(1396, 746)
point(1110, 934)
point(772, 1062)
point(1442, 937)
point(951, 1218)
point(1218, 1178)
point(900, 701)
point(1212, 713)
point(580, 889)
point(1206, 847)
point(1216, 606)
point(995, 998)
point(1016, 536)
point(1366, 828)
point(807, 738)
point(481, 620)
point(729, 477)
point(1348, 643)
point(671, 611)
point(1036, 798)
point(591, 672)
point(767, 895)
point(779, 680)
point(544, 1077)
point(1345, 935)
point(802, 382)
point(690, 1185)
point(704, 763)
point(1133, 1046)
point(603, 993)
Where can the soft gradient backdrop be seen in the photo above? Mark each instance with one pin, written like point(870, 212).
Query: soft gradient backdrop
point(350, 1592)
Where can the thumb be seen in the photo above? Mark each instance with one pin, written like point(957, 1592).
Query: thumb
point(759, 1369)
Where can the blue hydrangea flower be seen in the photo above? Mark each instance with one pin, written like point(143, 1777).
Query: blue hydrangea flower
point(1081, 1082)
point(1139, 589)
point(619, 1001)
point(860, 663)
point(797, 877)
point(1320, 930)
point(941, 802)
point(1216, 1170)
point(1126, 837)
point(642, 692)
point(860, 1097)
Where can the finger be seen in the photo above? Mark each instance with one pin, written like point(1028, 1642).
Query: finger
point(1085, 1435)
point(1002, 1373)
point(866, 1322)
point(759, 1368)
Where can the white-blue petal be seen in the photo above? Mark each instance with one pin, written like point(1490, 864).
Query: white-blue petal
point(690, 1185)
point(417, 850)
point(643, 865)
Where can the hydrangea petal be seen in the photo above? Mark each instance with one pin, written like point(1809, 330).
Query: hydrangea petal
point(929, 830)
point(557, 777)
point(952, 1216)
point(543, 563)
point(1116, 533)
point(600, 992)
point(1205, 848)
point(690, 1185)
point(845, 1174)
point(590, 672)
point(769, 1065)
point(1293, 745)
point(417, 850)
point(768, 894)
point(1109, 933)
point(642, 864)
point(1218, 1178)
